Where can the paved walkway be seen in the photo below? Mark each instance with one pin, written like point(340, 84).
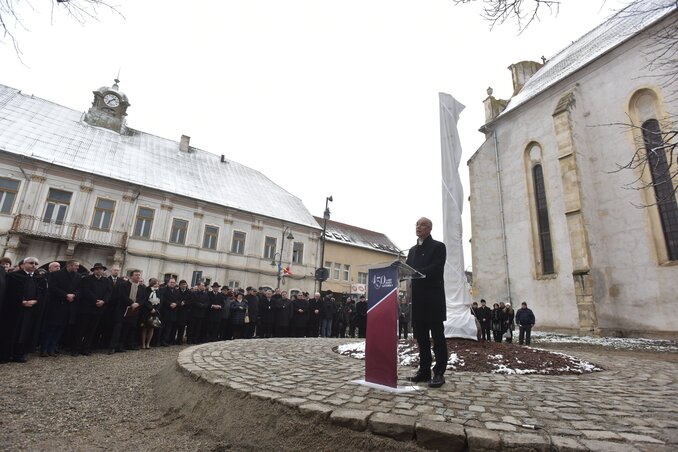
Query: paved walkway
point(632, 405)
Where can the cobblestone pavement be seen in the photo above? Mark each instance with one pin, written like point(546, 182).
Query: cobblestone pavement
point(632, 405)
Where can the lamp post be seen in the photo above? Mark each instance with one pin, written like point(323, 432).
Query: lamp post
point(280, 254)
point(326, 216)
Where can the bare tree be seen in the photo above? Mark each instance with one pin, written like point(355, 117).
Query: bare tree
point(11, 17)
point(522, 11)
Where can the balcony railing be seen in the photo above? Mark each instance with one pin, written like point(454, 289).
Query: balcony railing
point(72, 232)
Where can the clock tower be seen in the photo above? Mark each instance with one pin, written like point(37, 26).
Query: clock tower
point(108, 109)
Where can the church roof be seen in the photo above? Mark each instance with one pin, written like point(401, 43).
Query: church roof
point(47, 132)
point(614, 31)
point(355, 236)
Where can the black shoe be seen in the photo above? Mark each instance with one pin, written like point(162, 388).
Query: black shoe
point(75, 354)
point(19, 359)
point(112, 351)
point(419, 377)
point(437, 381)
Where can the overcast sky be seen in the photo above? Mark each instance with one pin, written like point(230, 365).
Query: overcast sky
point(324, 97)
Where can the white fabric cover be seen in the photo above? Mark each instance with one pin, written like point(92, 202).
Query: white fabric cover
point(460, 323)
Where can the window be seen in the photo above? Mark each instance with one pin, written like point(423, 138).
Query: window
point(542, 220)
point(328, 266)
point(196, 278)
point(144, 223)
point(337, 271)
point(238, 245)
point(8, 191)
point(663, 185)
point(178, 232)
point(298, 253)
point(103, 214)
point(57, 206)
point(347, 272)
point(362, 278)
point(233, 284)
point(167, 276)
point(209, 240)
point(269, 247)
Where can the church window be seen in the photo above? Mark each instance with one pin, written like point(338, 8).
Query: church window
point(662, 181)
point(57, 206)
point(544, 231)
point(144, 222)
point(298, 253)
point(178, 232)
point(8, 191)
point(269, 247)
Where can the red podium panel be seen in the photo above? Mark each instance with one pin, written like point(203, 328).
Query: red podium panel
point(381, 345)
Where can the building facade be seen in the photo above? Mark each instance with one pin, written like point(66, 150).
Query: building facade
point(554, 222)
point(86, 186)
point(350, 252)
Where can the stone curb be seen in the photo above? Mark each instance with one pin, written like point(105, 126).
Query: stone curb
point(423, 429)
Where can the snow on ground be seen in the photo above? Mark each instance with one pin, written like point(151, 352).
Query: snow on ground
point(620, 343)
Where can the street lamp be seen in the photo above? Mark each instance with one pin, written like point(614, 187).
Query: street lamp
point(280, 254)
point(326, 216)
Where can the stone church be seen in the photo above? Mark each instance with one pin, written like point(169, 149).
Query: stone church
point(88, 186)
point(558, 221)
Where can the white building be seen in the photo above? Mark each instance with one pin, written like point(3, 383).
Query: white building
point(553, 224)
point(87, 186)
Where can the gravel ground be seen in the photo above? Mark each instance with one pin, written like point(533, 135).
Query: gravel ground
point(99, 402)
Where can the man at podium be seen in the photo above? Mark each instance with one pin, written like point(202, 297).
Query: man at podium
point(428, 304)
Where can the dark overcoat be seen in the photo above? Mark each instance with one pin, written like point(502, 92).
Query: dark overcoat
point(428, 294)
point(61, 283)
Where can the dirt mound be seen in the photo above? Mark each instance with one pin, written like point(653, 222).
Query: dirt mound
point(487, 357)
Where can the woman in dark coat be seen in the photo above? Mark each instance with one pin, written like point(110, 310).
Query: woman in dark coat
point(300, 315)
point(239, 310)
point(497, 322)
point(282, 307)
point(148, 312)
point(509, 323)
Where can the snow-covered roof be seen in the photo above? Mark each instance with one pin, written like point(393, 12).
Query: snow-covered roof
point(355, 236)
point(614, 31)
point(47, 132)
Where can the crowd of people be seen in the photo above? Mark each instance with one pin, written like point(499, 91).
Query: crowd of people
point(500, 322)
point(63, 310)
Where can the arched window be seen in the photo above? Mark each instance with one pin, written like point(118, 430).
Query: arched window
point(663, 185)
point(544, 231)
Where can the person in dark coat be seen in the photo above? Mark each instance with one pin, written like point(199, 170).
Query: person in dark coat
point(509, 322)
point(199, 304)
point(129, 297)
point(525, 321)
point(253, 305)
point(239, 311)
point(107, 322)
point(361, 316)
point(148, 313)
point(327, 312)
point(498, 320)
point(282, 308)
point(215, 309)
point(314, 316)
point(25, 290)
point(169, 304)
point(300, 315)
point(266, 315)
point(404, 317)
point(64, 290)
point(484, 316)
point(350, 316)
point(474, 313)
point(225, 330)
point(428, 257)
point(95, 294)
point(183, 312)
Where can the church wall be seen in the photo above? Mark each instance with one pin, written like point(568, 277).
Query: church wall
point(633, 288)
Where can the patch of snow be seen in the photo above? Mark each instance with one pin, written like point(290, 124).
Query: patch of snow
point(612, 342)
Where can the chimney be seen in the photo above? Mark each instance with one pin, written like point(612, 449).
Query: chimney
point(493, 106)
point(183, 144)
point(521, 73)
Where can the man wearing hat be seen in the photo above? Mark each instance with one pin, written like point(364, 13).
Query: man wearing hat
point(95, 292)
point(215, 310)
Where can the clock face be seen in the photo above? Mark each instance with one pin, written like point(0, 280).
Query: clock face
point(111, 100)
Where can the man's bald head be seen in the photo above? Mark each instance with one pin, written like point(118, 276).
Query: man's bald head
point(423, 227)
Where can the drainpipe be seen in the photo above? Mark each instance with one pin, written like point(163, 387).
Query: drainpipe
point(501, 216)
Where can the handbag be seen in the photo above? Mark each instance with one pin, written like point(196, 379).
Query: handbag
point(247, 316)
point(155, 321)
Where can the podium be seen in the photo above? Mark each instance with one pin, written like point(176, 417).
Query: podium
point(381, 343)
